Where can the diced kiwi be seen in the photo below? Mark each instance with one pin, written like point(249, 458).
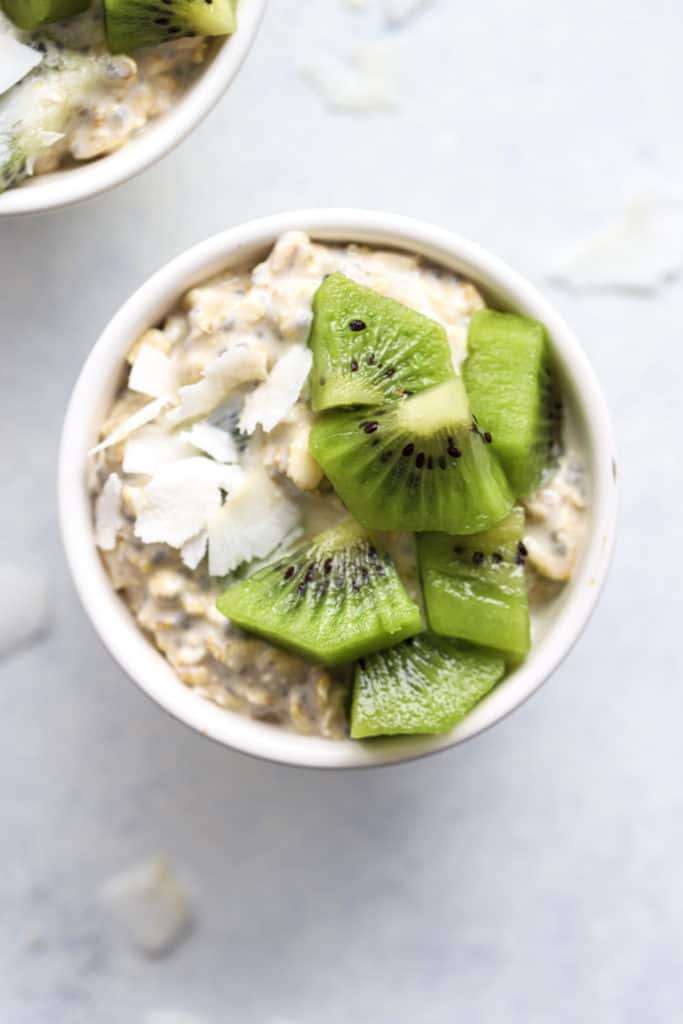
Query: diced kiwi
point(417, 464)
point(31, 14)
point(424, 685)
point(474, 586)
point(368, 349)
point(131, 24)
point(509, 382)
point(333, 600)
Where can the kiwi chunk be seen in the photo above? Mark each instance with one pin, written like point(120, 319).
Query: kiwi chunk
point(508, 378)
point(31, 14)
point(418, 464)
point(333, 600)
point(368, 349)
point(425, 685)
point(475, 587)
point(131, 24)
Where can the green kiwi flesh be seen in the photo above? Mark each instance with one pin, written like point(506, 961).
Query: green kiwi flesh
point(474, 586)
point(31, 14)
point(417, 464)
point(424, 685)
point(131, 24)
point(334, 599)
point(368, 349)
point(508, 380)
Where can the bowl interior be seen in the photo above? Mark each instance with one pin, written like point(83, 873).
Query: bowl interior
point(555, 628)
point(81, 181)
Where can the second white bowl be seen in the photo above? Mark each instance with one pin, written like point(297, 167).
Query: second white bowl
point(555, 631)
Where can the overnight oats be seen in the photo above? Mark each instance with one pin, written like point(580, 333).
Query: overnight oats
point(333, 487)
point(79, 79)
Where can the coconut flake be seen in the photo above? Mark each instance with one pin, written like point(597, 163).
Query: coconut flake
point(153, 447)
point(179, 500)
point(366, 82)
point(172, 1017)
point(235, 366)
point(638, 252)
point(139, 419)
point(194, 549)
point(16, 60)
point(399, 12)
point(272, 400)
point(217, 443)
point(24, 607)
point(150, 905)
point(153, 373)
point(254, 519)
point(108, 515)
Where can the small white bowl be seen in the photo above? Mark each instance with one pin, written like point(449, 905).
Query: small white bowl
point(73, 184)
point(555, 632)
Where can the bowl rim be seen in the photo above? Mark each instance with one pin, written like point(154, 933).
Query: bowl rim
point(119, 632)
point(76, 184)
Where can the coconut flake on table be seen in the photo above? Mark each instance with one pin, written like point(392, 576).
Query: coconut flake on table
point(172, 1017)
point(366, 82)
point(150, 905)
point(254, 519)
point(152, 447)
point(108, 514)
point(139, 419)
point(153, 373)
point(639, 251)
point(16, 60)
point(180, 499)
point(237, 365)
point(24, 607)
point(269, 403)
point(399, 12)
point(212, 440)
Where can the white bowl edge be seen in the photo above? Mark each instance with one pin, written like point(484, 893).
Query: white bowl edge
point(94, 390)
point(76, 184)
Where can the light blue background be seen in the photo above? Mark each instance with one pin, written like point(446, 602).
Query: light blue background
point(533, 875)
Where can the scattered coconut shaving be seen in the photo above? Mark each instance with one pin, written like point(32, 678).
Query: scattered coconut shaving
point(16, 60)
point(217, 443)
point(367, 82)
point(399, 12)
point(152, 447)
point(269, 403)
point(255, 518)
point(153, 373)
point(237, 365)
point(139, 419)
point(639, 253)
point(108, 515)
point(172, 1017)
point(194, 549)
point(24, 607)
point(150, 905)
point(181, 498)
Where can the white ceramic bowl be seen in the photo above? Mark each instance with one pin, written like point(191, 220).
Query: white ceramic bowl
point(73, 184)
point(554, 633)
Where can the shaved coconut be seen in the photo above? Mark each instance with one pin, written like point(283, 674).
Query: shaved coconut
point(172, 1017)
point(179, 500)
point(366, 83)
point(235, 366)
point(217, 443)
point(16, 61)
point(108, 515)
point(139, 419)
point(271, 401)
point(150, 905)
point(254, 519)
point(24, 607)
point(153, 373)
point(398, 12)
point(194, 549)
point(153, 447)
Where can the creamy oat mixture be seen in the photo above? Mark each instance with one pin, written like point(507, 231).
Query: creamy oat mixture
point(81, 102)
point(203, 470)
